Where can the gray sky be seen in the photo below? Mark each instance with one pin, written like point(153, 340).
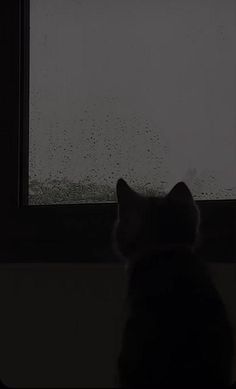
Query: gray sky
point(140, 89)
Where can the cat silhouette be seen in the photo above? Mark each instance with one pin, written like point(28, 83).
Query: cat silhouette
point(177, 333)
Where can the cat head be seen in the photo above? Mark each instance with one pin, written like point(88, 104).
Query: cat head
point(148, 223)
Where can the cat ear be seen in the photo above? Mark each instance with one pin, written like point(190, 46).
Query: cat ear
point(181, 193)
point(124, 192)
point(128, 200)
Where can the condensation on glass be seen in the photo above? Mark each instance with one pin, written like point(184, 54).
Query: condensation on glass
point(143, 90)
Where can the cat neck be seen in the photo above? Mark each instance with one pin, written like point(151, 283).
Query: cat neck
point(160, 250)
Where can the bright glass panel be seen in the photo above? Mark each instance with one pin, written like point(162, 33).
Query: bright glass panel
point(139, 89)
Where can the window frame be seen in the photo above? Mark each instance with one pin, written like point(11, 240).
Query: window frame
point(66, 233)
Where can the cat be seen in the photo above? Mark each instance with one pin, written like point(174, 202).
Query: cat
point(177, 333)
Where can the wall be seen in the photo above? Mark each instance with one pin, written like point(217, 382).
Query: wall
point(61, 324)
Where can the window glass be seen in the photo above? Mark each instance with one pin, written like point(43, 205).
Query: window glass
point(143, 90)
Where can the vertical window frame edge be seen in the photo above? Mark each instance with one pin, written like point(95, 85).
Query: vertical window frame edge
point(23, 130)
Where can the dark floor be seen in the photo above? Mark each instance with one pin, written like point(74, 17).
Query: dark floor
point(61, 324)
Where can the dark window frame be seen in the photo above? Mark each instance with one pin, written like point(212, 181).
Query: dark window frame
point(65, 233)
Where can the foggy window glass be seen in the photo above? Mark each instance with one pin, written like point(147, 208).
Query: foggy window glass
point(139, 89)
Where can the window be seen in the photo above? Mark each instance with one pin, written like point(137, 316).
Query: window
point(134, 89)
point(81, 232)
